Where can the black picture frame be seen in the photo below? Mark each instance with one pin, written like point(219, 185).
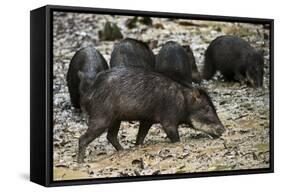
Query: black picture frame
point(41, 72)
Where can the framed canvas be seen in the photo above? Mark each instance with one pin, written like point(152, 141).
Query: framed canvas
point(125, 95)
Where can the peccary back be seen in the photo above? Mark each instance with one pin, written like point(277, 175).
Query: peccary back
point(132, 52)
point(172, 61)
point(89, 61)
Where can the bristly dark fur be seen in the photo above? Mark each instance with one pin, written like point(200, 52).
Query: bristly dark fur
point(134, 93)
point(173, 61)
point(236, 59)
point(88, 61)
point(203, 92)
point(132, 52)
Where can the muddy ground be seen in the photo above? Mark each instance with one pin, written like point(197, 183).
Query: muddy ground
point(243, 110)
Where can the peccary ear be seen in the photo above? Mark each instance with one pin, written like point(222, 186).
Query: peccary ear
point(81, 75)
point(195, 95)
point(186, 47)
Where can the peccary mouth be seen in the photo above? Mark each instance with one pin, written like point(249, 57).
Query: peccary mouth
point(215, 131)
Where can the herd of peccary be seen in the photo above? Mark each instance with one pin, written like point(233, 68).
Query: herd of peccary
point(141, 86)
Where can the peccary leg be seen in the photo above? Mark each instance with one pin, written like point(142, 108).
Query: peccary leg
point(143, 130)
point(73, 88)
point(172, 132)
point(208, 69)
point(239, 77)
point(95, 129)
point(195, 76)
point(75, 100)
point(189, 123)
point(112, 135)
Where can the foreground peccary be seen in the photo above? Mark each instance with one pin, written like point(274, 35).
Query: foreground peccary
point(195, 76)
point(89, 61)
point(133, 93)
point(172, 61)
point(235, 59)
point(132, 52)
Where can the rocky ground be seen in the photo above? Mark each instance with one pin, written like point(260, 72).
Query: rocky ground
point(244, 111)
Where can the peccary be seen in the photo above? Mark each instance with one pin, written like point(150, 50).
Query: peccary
point(89, 61)
point(132, 52)
point(235, 59)
point(172, 61)
point(133, 93)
